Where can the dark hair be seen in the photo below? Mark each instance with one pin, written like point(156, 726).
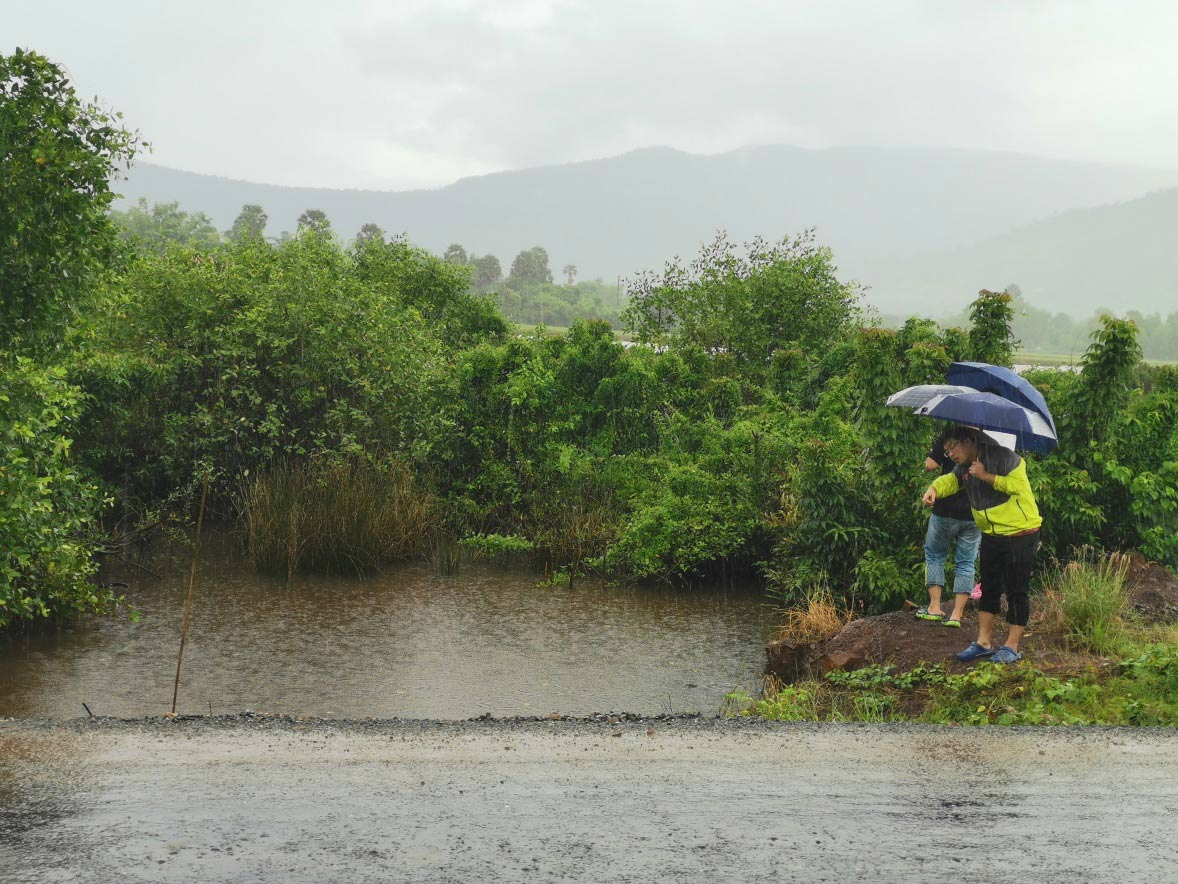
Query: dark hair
point(964, 434)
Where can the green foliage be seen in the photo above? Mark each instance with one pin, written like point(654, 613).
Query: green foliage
point(1142, 690)
point(991, 338)
point(773, 296)
point(1107, 379)
point(530, 267)
point(47, 509)
point(153, 228)
point(254, 354)
point(250, 224)
point(1087, 600)
point(498, 546)
point(314, 219)
point(57, 155)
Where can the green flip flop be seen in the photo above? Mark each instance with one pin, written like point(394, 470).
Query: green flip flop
point(951, 623)
point(923, 614)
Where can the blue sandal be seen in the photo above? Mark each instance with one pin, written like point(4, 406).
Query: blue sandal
point(1006, 655)
point(975, 652)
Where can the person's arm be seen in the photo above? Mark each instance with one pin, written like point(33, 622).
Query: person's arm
point(930, 464)
point(942, 486)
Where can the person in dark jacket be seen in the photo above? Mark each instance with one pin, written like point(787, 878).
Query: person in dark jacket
point(952, 523)
point(1004, 507)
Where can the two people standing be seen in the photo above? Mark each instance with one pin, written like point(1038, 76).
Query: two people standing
point(995, 482)
point(952, 521)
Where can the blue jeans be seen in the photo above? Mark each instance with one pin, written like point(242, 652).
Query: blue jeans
point(941, 532)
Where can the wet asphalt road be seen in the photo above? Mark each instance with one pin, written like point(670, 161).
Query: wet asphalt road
point(263, 799)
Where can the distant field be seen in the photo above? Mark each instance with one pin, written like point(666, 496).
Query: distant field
point(557, 330)
point(1052, 360)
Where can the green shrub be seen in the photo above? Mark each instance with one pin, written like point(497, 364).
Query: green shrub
point(47, 510)
point(1087, 599)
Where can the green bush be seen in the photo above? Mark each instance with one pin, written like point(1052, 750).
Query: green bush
point(47, 510)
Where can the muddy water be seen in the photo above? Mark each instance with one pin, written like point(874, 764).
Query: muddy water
point(405, 644)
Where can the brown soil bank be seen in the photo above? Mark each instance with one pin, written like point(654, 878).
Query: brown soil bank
point(899, 639)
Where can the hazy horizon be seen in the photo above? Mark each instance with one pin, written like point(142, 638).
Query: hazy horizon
point(422, 93)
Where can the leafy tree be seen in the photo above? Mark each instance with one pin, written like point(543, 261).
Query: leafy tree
point(314, 219)
point(530, 267)
point(774, 296)
point(455, 254)
point(57, 156)
point(153, 228)
point(487, 272)
point(249, 224)
point(1107, 378)
point(368, 233)
point(46, 506)
point(990, 337)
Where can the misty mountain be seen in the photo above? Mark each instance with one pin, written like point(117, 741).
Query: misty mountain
point(1119, 257)
point(632, 212)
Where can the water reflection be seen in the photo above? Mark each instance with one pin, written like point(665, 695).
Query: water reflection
point(407, 643)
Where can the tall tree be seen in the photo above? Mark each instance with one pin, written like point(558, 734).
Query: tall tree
point(162, 223)
point(991, 336)
point(570, 273)
point(314, 219)
point(487, 271)
point(250, 223)
point(57, 157)
point(530, 267)
point(455, 254)
point(369, 233)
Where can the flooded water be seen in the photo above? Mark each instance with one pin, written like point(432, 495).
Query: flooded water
point(407, 643)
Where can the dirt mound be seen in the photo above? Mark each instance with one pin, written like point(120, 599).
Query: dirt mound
point(903, 641)
point(897, 638)
point(1153, 590)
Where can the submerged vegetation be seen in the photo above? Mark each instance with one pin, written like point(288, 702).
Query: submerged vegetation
point(354, 403)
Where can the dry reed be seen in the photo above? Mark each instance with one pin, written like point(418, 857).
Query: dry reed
point(819, 618)
point(334, 515)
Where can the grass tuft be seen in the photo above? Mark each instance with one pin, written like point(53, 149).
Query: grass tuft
point(334, 516)
point(1087, 599)
point(819, 618)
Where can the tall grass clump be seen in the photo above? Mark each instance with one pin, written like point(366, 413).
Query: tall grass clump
point(1086, 600)
point(334, 515)
point(819, 618)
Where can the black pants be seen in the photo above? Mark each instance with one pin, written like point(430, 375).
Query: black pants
point(1006, 564)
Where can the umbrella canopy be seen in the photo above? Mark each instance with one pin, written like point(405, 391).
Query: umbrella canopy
point(1031, 430)
point(914, 397)
point(920, 395)
point(1002, 382)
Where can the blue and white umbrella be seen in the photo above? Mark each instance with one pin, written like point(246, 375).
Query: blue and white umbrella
point(1003, 382)
point(921, 395)
point(989, 411)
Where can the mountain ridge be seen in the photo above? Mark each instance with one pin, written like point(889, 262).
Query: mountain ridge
point(619, 215)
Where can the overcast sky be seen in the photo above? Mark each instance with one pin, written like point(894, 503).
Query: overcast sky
point(407, 93)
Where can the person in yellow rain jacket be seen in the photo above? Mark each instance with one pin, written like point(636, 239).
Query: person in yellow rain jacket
point(1003, 505)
